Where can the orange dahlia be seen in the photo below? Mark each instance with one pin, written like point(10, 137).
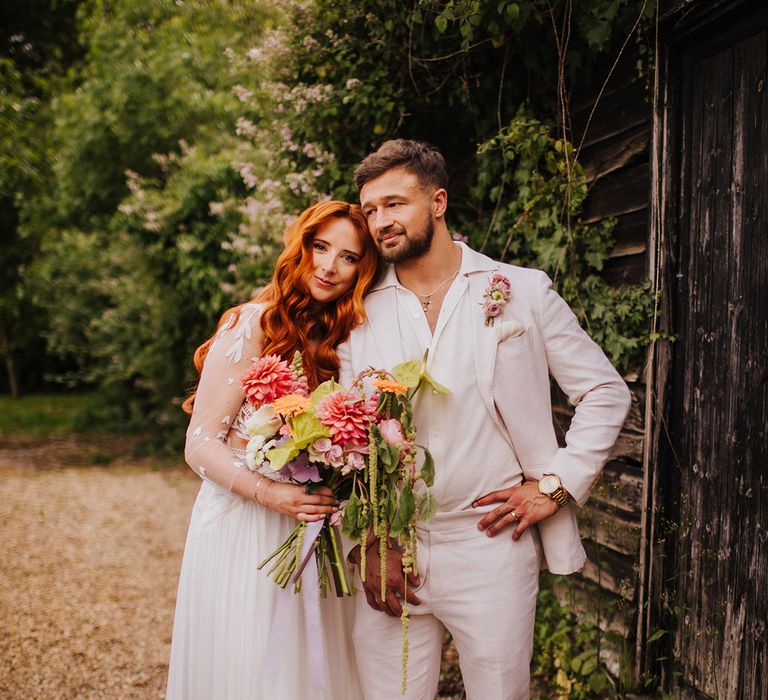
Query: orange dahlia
point(390, 386)
point(290, 405)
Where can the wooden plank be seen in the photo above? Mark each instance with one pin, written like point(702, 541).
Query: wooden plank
point(621, 192)
point(616, 112)
point(602, 608)
point(620, 487)
point(611, 154)
point(629, 269)
point(631, 234)
point(610, 528)
point(613, 572)
point(622, 80)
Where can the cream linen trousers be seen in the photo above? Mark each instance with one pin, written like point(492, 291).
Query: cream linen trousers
point(482, 590)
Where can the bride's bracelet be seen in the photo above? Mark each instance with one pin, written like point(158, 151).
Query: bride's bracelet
point(256, 489)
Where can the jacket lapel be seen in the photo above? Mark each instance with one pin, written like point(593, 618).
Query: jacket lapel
point(485, 340)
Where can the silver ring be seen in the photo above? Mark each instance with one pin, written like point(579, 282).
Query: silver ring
point(514, 515)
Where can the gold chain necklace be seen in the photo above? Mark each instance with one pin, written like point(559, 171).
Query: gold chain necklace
point(427, 301)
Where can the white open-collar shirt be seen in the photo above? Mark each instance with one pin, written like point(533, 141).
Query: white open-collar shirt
point(472, 456)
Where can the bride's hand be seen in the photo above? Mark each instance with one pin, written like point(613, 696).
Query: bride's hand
point(293, 500)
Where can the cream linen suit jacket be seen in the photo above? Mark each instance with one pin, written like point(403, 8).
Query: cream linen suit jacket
point(536, 336)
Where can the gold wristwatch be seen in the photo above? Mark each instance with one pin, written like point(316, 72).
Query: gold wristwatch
point(551, 486)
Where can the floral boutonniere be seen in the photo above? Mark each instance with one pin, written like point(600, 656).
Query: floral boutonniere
point(496, 297)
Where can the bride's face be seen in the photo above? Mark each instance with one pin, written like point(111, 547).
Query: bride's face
point(336, 255)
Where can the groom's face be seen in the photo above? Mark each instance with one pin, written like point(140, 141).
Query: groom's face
point(399, 211)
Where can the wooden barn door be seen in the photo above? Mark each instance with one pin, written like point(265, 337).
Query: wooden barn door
point(712, 480)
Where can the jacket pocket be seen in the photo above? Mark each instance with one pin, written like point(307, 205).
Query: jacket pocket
point(514, 344)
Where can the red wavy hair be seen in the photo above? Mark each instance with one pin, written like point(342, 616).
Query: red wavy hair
point(291, 318)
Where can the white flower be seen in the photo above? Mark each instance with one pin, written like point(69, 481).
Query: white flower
point(263, 422)
point(256, 452)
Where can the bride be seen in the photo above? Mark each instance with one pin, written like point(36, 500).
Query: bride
point(224, 605)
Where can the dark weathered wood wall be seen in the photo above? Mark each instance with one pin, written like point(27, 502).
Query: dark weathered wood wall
point(708, 571)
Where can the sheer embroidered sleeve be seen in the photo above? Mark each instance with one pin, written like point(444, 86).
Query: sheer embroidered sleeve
point(218, 402)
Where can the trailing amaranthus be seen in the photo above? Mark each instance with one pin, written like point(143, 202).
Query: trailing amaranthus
point(392, 494)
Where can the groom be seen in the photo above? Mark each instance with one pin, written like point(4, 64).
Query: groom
point(499, 469)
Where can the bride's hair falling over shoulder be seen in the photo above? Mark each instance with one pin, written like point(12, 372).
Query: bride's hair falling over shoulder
point(291, 318)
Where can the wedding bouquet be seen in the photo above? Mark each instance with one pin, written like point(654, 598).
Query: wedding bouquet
point(360, 443)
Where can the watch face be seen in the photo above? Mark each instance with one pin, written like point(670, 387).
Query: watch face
point(549, 484)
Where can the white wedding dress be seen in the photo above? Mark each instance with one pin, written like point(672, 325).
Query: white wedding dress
point(220, 648)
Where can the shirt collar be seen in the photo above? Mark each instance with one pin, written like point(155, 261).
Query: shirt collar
point(471, 261)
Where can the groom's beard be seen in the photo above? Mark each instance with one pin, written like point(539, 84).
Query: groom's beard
point(412, 245)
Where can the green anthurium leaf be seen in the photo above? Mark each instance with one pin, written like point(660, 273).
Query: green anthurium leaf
point(321, 392)
point(437, 386)
point(428, 468)
point(427, 507)
point(306, 428)
point(408, 373)
point(278, 456)
point(405, 510)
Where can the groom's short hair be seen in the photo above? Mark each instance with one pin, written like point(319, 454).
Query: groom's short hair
point(416, 157)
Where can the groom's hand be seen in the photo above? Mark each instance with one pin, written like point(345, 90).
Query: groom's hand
point(523, 505)
point(396, 589)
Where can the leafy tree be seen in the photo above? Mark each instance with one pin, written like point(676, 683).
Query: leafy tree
point(38, 41)
point(145, 152)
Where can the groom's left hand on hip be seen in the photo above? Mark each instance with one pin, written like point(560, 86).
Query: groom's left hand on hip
point(521, 506)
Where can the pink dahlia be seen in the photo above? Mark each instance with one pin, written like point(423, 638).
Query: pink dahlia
point(268, 379)
point(348, 416)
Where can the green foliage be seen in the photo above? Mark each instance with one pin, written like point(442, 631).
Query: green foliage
point(536, 189)
point(146, 181)
point(567, 646)
point(187, 134)
point(449, 72)
point(156, 72)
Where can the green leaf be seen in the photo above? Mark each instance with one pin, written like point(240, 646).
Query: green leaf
point(428, 468)
point(589, 665)
point(512, 11)
point(437, 386)
point(306, 428)
point(321, 392)
point(278, 456)
point(408, 373)
point(350, 525)
point(427, 507)
point(441, 23)
point(406, 507)
point(658, 634)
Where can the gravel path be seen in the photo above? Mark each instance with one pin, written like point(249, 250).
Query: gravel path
point(90, 550)
point(90, 558)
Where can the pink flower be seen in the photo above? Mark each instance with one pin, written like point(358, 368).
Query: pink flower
point(335, 456)
point(496, 297)
point(493, 308)
point(268, 379)
point(392, 432)
point(356, 461)
point(300, 386)
point(318, 449)
point(501, 283)
point(348, 416)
